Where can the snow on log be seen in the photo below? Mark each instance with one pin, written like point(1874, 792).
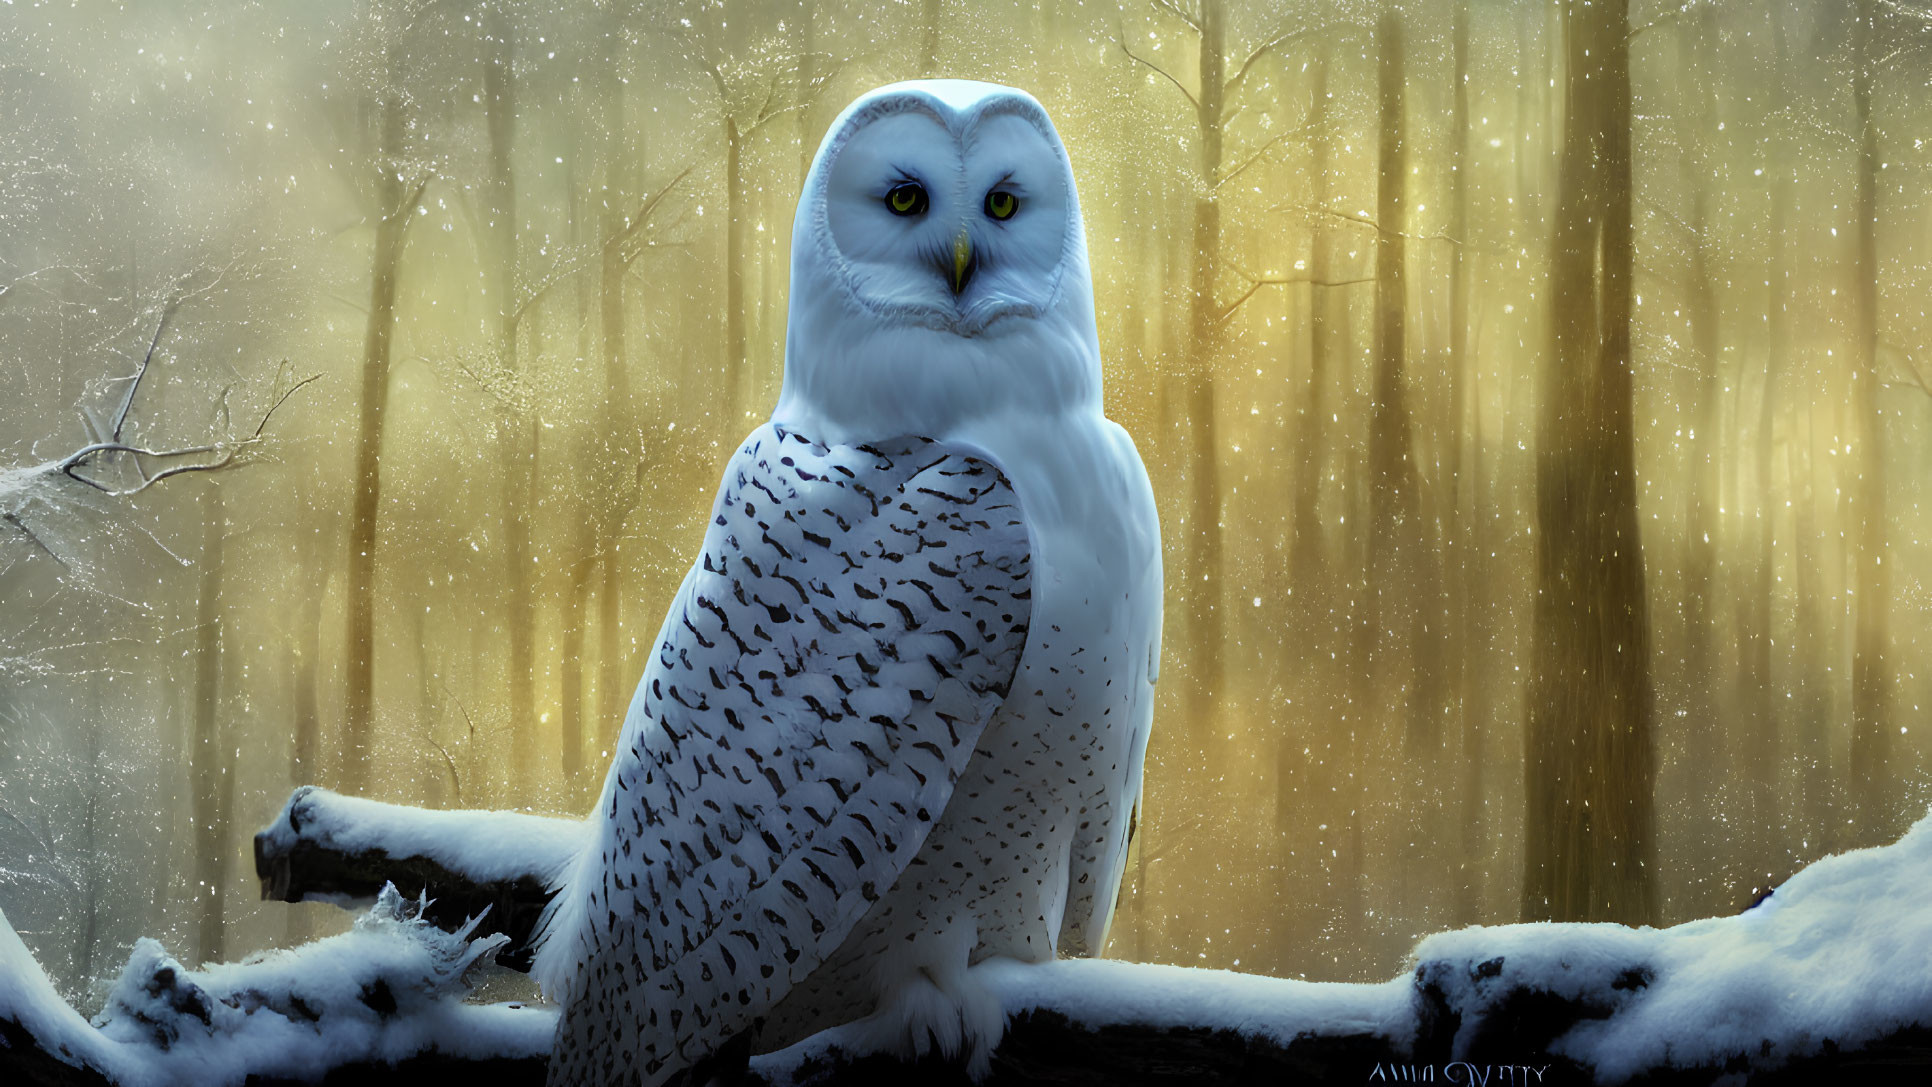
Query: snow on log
point(1807, 979)
point(382, 1001)
point(1823, 982)
point(1838, 958)
point(342, 849)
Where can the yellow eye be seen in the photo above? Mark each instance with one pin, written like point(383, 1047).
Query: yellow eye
point(906, 199)
point(1001, 204)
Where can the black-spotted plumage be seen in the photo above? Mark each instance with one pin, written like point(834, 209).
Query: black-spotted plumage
point(855, 620)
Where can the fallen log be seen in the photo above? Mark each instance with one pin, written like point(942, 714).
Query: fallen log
point(379, 1003)
point(325, 847)
point(1823, 982)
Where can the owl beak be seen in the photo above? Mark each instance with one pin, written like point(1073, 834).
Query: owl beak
point(962, 262)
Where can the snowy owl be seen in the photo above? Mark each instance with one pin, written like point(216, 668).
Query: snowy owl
point(894, 722)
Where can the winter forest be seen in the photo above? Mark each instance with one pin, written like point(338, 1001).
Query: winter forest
point(1538, 397)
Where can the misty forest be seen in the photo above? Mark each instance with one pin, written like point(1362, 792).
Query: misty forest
point(1538, 397)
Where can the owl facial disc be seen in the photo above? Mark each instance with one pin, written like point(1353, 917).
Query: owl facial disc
point(952, 218)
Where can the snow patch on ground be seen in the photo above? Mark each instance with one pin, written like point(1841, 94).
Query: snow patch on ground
point(487, 846)
point(1841, 951)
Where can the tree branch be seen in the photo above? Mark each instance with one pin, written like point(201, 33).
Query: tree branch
point(1256, 157)
point(1234, 82)
point(27, 278)
point(1367, 222)
point(1667, 17)
point(226, 452)
point(577, 259)
point(1911, 367)
point(623, 238)
point(1255, 283)
point(1162, 72)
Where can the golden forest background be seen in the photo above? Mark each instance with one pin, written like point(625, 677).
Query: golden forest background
point(1538, 396)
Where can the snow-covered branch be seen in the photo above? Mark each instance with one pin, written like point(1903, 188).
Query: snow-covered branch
point(112, 464)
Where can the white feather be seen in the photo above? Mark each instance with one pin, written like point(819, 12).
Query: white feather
point(1024, 853)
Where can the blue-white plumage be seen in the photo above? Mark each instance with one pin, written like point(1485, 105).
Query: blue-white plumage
point(895, 720)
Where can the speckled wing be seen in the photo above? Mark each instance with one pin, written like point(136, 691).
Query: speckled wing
point(856, 618)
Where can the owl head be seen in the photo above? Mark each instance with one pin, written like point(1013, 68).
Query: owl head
point(939, 269)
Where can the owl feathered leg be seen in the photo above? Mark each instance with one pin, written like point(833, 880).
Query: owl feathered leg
point(931, 1000)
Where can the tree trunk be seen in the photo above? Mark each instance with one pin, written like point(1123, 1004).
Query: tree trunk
point(1823, 817)
point(1588, 778)
point(304, 748)
point(516, 424)
point(1875, 807)
point(1465, 498)
point(571, 701)
point(92, 787)
point(1758, 678)
point(1308, 565)
point(808, 130)
point(518, 449)
point(624, 449)
point(738, 380)
point(438, 775)
point(929, 52)
point(1308, 551)
point(1705, 754)
point(359, 673)
point(1394, 594)
point(1205, 572)
point(209, 767)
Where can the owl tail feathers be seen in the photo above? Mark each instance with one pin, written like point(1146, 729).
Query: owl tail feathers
point(948, 1010)
point(560, 941)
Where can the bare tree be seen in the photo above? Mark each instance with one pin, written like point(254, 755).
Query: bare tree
point(211, 773)
point(1224, 75)
point(399, 181)
point(929, 16)
point(517, 433)
point(1705, 748)
point(756, 82)
point(1874, 806)
point(1467, 493)
point(1588, 853)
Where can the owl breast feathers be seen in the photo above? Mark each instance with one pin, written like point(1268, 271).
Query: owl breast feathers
point(819, 685)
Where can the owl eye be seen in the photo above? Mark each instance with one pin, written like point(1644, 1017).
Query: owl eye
point(906, 199)
point(1001, 204)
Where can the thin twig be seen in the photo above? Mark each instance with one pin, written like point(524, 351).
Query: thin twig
point(1122, 42)
point(460, 708)
point(1229, 88)
point(1256, 157)
point(1256, 283)
point(642, 218)
point(1912, 367)
point(16, 522)
point(1367, 222)
point(226, 453)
